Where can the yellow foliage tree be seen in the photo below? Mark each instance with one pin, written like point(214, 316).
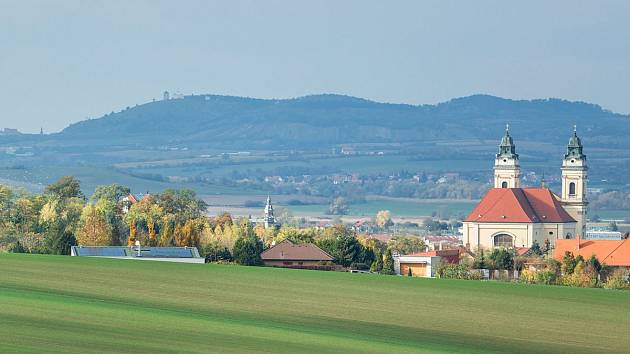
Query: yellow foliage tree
point(94, 230)
point(132, 234)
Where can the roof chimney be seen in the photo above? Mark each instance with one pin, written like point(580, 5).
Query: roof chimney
point(578, 242)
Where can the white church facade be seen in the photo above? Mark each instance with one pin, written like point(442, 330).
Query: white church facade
point(511, 216)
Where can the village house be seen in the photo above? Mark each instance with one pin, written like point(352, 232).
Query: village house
point(424, 264)
point(289, 255)
point(613, 253)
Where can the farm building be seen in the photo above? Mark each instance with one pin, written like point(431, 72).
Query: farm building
point(289, 255)
point(165, 254)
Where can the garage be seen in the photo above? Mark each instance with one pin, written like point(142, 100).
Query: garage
point(417, 269)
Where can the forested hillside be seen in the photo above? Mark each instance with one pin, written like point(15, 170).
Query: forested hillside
point(320, 121)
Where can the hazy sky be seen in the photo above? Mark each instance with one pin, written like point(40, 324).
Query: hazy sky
point(63, 61)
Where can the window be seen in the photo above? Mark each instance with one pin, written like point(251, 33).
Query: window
point(572, 189)
point(503, 240)
point(287, 263)
point(504, 184)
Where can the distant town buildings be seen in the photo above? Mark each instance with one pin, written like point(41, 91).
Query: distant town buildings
point(9, 131)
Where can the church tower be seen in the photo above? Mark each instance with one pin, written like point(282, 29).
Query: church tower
point(507, 170)
point(574, 180)
point(270, 220)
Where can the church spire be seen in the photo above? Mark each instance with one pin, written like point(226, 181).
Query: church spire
point(507, 171)
point(270, 219)
point(507, 147)
point(574, 148)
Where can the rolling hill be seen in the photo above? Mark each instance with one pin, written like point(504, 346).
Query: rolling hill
point(78, 305)
point(321, 121)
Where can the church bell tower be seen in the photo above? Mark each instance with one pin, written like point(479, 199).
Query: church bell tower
point(507, 170)
point(574, 180)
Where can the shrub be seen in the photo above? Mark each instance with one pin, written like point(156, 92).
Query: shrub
point(618, 280)
point(581, 277)
point(456, 271)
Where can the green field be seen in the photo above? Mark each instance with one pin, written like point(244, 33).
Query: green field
point(398, 207)
point(64, 304)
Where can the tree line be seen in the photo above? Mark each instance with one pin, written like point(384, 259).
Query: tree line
point(62, 216)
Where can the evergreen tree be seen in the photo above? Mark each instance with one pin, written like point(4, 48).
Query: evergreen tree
point(377, 265)
point(58, 239)
point(409, 273)
point(388, 263)
point(247, 251)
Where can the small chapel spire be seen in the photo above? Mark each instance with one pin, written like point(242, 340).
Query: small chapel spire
point(270, 219)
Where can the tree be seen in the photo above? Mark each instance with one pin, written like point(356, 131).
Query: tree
point(296, 235)
point(94, 229)
point(546, 246)
point(568, 263)
point(409, 273)
point(377, 265)
point(66, 187)
point(113, 193)
point(388, 263)
point(133, 234)
point(182, 203)
point(384, 219)
point(247, 251)
point(59, 239)
point(480, 262)
point(535, 250)
point(108, 200)
point(502, 258)
point(406, 245)
point(338, 206)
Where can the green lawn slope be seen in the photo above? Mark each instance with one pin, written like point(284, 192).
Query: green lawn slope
point(79, 305)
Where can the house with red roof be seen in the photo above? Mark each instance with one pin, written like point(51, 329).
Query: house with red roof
point(290, 255)
point(511, 216)
point(613, 253)
point(424, 264)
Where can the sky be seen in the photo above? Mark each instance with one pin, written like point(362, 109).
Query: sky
point(66, 61)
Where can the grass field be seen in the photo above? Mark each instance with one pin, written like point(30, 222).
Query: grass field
point(71, 304)
point(396, 207)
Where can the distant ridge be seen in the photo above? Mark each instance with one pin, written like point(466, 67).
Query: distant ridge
point(320, 121)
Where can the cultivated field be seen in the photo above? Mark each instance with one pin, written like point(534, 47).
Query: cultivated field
point(64, 304)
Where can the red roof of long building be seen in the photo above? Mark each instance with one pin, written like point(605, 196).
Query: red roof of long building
point(535, 205)
point(609, 252)
point(287, 250)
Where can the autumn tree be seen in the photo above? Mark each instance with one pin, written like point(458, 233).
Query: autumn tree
point(384, 219)
point(94, 229)
point(66, 187)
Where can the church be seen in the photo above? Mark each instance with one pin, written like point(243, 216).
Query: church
point(511, 216)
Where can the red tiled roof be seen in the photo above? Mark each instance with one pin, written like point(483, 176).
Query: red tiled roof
point(609, 252)
point(132, 198)
point(449, 256)
point(533, 205)
point(287, 250)
point(520, 251)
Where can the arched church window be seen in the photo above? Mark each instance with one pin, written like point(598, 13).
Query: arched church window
point(572, 189)
point(504, 184)
point(503, 240)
